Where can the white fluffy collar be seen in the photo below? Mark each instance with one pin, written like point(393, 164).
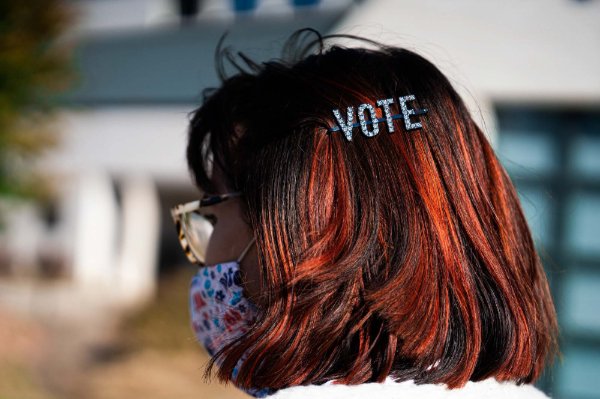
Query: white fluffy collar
point(389, 389)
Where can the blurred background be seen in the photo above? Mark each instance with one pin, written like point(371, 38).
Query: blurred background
point(94, 101)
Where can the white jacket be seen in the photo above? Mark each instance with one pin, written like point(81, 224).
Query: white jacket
point(389, 389)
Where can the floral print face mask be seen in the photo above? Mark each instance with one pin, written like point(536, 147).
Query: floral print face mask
point(219, 311)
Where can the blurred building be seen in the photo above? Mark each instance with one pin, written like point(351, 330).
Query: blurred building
point(142, 66)
point(529, 72)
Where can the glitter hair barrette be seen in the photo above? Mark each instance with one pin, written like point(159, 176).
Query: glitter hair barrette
point(347, 125)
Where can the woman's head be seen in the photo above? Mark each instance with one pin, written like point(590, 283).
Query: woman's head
point(403, 254)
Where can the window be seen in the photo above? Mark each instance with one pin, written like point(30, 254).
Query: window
point(553, 158)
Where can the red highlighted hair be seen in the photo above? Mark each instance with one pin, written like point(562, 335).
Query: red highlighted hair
point(404, 254)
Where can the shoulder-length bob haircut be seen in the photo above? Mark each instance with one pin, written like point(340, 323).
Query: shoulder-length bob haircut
point(404, 254)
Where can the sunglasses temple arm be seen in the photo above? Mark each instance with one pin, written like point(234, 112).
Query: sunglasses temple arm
point(246, 249)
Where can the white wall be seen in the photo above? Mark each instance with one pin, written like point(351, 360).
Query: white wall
point(122, 140)
point(542, 51)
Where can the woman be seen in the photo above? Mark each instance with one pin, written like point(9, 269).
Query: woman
point(357, 236)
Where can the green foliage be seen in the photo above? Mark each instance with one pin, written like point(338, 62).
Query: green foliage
point(34, 66)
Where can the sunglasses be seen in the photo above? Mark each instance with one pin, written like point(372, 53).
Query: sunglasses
point(194, 228)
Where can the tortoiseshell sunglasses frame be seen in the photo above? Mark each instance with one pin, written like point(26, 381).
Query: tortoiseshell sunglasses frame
point(181, 209)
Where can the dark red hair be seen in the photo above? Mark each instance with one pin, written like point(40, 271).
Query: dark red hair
point(404, 254)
